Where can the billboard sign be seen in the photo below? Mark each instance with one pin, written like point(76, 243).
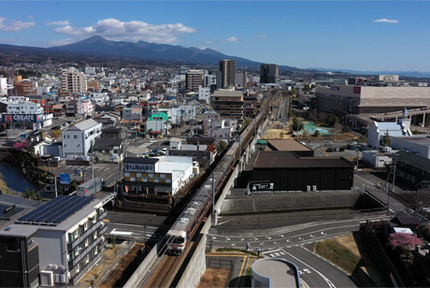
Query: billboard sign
point(64, 178)
point(21, 118)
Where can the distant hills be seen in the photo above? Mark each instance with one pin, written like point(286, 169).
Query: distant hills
point(99, 51)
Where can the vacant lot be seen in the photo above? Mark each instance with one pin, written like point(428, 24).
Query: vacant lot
point(341, 251)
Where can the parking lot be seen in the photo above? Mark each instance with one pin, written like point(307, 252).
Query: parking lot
point(107, 171)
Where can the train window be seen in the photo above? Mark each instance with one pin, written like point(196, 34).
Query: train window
point(179, 240)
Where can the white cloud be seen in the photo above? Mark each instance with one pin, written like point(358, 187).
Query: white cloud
point(58, 23)
point(231, 39)
point(134, 31)
point(385, 20)
point(14, 25)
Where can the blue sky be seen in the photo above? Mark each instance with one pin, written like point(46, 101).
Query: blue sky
point(357, 35)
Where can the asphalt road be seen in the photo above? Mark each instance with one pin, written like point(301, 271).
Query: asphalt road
point(315, 271)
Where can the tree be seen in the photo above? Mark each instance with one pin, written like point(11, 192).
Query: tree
point(281, 134)
point(332, 120)
point(317, 133)
point(56, 134)
point(296, 124)
point(386, 139)
point(405, 241)
point(346, 129)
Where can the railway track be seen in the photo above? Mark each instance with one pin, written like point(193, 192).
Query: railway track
point(166, 270)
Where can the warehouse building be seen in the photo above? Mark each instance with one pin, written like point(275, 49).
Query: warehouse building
point(290, 172)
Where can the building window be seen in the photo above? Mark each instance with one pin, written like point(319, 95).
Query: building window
point(75, 136)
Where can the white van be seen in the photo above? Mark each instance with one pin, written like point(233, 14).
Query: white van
point(152, 140)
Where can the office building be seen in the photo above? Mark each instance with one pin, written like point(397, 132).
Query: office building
point(269, 73)
point(228, 73)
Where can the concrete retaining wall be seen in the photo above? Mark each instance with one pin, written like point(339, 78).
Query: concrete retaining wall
point(144, 269)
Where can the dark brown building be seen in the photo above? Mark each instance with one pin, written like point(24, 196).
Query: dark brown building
point(290, 172)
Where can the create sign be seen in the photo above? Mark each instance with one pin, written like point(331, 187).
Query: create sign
point(21, 118)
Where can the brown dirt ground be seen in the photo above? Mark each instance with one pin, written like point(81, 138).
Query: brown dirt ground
point(214, 278)
point(348, 241)
point(116, 274)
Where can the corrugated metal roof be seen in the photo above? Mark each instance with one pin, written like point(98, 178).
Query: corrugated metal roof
point(393, 129)
point(84, 125)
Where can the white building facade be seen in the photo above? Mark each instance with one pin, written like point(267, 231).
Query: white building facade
point(78, 140)
point(73, 81)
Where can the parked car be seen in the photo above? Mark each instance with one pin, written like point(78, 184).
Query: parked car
point(328, 143)
point(330, 149)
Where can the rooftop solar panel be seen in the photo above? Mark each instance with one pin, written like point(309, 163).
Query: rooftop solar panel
point(55, 211)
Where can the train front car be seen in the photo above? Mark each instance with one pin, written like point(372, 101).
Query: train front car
point(178, 242)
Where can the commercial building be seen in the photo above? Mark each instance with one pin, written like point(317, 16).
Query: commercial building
point(79, 138)
point(228, 73)
point(22, 113)
point(269, 73)
point(73, 81)
point(158, 124)
point(378, 130)
point(229, 104)
point(290, 172)
point(165, 175)
point(373, 100)
point(54, 244)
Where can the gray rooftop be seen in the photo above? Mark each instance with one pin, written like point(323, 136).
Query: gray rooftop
point(280, 159)
point(281, 272)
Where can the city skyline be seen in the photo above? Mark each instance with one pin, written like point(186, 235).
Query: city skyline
point(355, 35)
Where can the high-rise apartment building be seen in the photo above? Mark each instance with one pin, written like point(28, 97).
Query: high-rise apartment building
point(228, 70)
point(73, 81)
point(269, 73)
point(193, 79)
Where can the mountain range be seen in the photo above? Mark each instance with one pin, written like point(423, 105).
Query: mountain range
point(97, 49)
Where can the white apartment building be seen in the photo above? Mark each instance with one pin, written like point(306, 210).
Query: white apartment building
point(73, 81)
point(65, 237)
point(205, 94)
point(78, 139)
point(3, 86)
point(21, 105)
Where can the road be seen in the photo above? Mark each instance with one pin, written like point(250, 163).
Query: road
point(313, 270)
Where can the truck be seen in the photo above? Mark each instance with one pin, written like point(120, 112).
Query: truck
point(90, 187)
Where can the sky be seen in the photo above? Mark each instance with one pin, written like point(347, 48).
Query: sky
point(355, 35)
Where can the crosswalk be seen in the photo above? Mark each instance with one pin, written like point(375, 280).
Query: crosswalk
point(276, 254)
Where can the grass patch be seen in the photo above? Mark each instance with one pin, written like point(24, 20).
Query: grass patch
point(341, 251)
point(214, 278)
